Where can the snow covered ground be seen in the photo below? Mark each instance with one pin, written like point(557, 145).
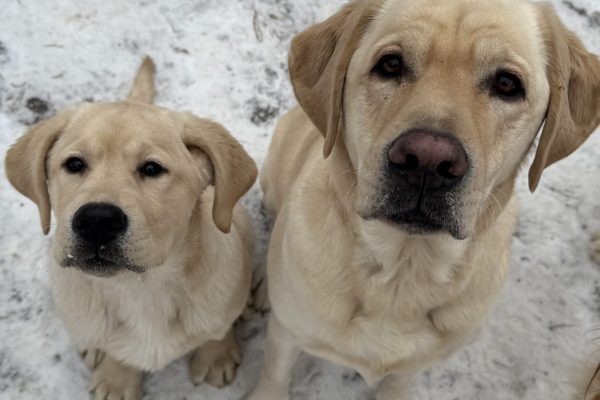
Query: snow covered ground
point(226, 59)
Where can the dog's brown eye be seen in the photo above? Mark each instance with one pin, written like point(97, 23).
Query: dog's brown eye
point(152, 169)
point(390, 66)
point(508, 86)
point(75, 165)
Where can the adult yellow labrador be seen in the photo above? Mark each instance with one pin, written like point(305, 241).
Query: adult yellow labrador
point(151, 255)
point(392, 184)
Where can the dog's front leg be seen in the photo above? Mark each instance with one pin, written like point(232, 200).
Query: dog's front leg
point(113, 380)
point(395, 387)
point(215, 362)
point(281, 354)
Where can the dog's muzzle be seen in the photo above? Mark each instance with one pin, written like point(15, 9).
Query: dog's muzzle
point(98, 230)
point(422, 178)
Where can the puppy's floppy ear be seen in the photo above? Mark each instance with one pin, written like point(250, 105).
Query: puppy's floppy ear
point(574, 110)
point(318, 62)
point(235, 172)
point(26, 162)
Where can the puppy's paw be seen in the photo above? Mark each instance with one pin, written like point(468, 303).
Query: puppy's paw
point(215, 362)
point(92, 357)
point(595, 247)
point(112, 380)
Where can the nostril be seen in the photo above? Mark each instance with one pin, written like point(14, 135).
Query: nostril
point(411, 163)
point(445, 170)
point(406, 162)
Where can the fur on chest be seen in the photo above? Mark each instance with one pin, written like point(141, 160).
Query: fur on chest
point(146, 323)
point(371, 310)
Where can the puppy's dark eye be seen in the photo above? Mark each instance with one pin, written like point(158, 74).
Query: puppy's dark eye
point(152, 169)
point(507, 86)
point(75, 165)
point(390, 66)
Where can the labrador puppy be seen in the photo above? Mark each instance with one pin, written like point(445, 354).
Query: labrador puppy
point(392, 183)
point(151, 253)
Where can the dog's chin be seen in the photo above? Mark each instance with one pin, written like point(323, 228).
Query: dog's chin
point(416, 222)
point(101, 267)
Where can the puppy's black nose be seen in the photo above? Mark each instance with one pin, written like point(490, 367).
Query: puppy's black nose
point(429, 161)
point(99, 222)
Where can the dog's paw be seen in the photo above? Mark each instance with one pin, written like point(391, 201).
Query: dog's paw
point(595, 247)
point(92, 357)
point(112, 380)
point(215, 362)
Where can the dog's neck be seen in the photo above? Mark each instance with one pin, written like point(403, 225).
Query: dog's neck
point(393, 254)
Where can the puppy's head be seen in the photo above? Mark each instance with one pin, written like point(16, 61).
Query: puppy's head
point(436, 104)
point(124, 180)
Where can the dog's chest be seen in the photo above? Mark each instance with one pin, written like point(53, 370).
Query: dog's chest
point(144, 322)
point(375, 318)
point(376, 334)
point(153, 326)
point(148, 309)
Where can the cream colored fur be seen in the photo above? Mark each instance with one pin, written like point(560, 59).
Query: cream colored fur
point(585, 378)
point(361, 292)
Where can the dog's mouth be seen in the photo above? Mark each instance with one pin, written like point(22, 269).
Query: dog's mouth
point(419, 215)
point(418, 222)
point(100, 262)
point(99, 266)
point(417, 205)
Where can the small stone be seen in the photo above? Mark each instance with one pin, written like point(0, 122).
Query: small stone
point(37, 105)
point(263, 114)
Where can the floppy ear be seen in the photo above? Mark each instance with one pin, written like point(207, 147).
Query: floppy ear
point(26, 162)
point(574, 110)
point(318, 62)
point(235, 172)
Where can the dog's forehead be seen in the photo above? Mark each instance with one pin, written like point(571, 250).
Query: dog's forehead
point(124, 118)
point(511, 23)
point(507, 12)
point(120, 123)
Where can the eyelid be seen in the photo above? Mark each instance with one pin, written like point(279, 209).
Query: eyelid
point(73, 155)
point(390, 50)
point(149, 159)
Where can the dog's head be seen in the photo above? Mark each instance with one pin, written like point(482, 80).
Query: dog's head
point(436, 104)
point(124, 180)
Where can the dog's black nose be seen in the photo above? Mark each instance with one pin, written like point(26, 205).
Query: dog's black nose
point(429, 161)
point(99, 222)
